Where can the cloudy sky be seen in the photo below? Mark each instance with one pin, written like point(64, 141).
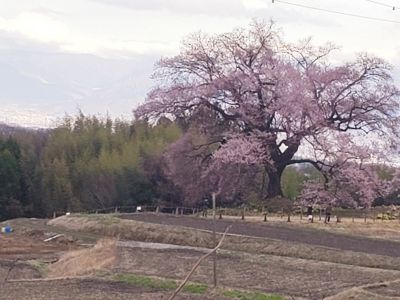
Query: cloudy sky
point(57, 56)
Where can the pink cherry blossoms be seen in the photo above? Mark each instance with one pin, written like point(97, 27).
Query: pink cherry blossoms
point(262, 101)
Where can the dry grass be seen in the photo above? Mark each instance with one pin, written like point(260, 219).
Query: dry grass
point(85, 261)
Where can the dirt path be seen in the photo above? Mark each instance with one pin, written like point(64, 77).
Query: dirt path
point(268, 230)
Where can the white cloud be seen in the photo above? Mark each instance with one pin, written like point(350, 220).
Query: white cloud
point(37, 26)
point(205, 7)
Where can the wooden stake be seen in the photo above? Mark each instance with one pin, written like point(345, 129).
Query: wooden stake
point(214, 242)
point(198, 263)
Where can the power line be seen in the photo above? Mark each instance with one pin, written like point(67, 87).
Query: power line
point(383, 4)
point(337, 12)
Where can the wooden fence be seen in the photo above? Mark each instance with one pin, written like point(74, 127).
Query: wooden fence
point(381, 213)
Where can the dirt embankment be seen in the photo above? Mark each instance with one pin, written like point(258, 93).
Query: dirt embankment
point(110, 225)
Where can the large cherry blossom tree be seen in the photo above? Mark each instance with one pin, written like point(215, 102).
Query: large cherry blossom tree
point(259, 100)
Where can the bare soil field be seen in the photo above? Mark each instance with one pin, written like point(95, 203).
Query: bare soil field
point(295, 278)
point(377, 229)
point(28, 245)
point(288, 260)
point(66, 289)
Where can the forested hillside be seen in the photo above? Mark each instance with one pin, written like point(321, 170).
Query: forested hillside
point(85, 163)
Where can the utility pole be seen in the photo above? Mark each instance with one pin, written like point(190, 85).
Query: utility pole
point(214, 241)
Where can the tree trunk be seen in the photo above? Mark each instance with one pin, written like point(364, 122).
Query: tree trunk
point(274, 183)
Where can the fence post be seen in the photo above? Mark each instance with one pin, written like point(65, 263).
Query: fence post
point(243, 212)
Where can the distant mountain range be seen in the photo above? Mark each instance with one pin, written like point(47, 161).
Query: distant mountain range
point(6, 129)
point(38, 87)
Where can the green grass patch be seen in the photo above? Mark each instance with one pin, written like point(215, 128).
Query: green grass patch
point(195, 288)
point(160, 284)
point(144, 281)
point(234, 294)
point(190, 287)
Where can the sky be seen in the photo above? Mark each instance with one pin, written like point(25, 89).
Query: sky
point(59, 56)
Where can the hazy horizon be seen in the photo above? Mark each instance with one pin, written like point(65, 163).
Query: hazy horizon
point(97, 55)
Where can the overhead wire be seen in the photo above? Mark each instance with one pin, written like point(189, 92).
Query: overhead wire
point(393, 7)
point(336, 12)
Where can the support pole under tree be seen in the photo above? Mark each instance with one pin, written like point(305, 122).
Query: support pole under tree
point(214, 242)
